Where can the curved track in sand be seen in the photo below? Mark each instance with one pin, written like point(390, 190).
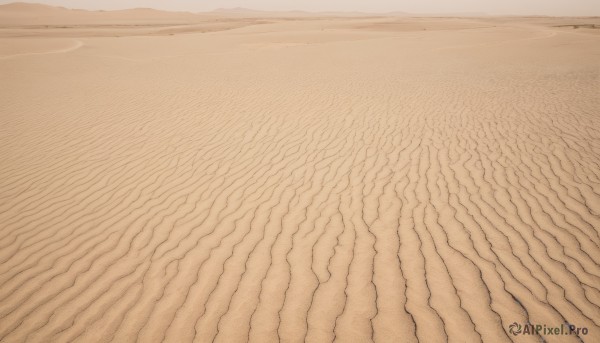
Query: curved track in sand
point(354, 190)
point(78, 44)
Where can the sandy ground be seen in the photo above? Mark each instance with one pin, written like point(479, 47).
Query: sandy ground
point(317, 180)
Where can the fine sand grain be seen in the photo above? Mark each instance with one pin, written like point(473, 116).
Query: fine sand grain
point(298, 179)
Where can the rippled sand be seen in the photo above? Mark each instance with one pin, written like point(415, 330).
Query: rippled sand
point(332, 179)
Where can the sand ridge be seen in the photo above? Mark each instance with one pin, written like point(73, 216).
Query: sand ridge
point(306, 179)
point(76, 44)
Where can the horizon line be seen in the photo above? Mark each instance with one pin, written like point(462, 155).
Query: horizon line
point(238, 8)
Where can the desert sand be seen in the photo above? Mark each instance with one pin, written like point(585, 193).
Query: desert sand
point(177, 177)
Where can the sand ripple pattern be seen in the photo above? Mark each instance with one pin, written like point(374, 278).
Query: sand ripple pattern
point(371, 187)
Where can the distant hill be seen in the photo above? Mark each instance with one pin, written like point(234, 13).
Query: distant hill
point(29, 7)
point(246, 12)
point(20, 13)
point(37, 14)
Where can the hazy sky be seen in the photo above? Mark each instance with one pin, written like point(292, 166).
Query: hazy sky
point(548, 7)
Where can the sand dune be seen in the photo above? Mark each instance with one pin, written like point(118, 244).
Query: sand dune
point(307, 180)
point(36, 14)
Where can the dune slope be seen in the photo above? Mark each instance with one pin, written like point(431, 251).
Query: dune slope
point(305, 180)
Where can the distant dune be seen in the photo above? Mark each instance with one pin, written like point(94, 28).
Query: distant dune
point(246, 176)
point(37, 14)
point(42, 14)
point(245, 12)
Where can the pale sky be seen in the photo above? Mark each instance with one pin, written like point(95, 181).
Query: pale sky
point(543, 7)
